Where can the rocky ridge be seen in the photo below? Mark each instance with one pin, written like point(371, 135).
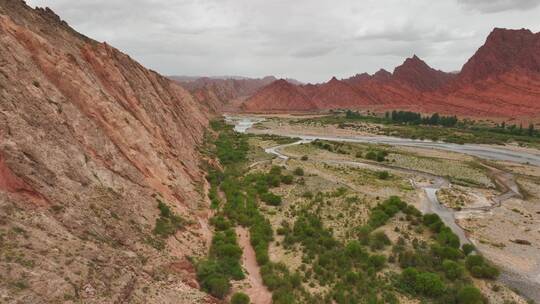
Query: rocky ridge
point(90, 141)
point(500, 80)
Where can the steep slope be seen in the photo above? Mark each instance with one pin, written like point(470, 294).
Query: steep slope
point(504, 51)
point(337, 94)
point(89, 139)
point(416, 73)
point(278, 96)
point(503, 77)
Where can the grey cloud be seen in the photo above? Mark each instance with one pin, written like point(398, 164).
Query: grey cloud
point(311, 40)
point(495, 6)
point(313, 51)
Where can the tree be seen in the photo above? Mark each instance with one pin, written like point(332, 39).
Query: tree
point(452, 270)
point(530, 130)
point(218, 286)
point(470, 295)
point(298, 171)
point(434, 119)
point(424, 283)
point(240, 298)
point(467, 248)
point(271, 199)
point(479, 268)
point(377, 261)
point(429, 284)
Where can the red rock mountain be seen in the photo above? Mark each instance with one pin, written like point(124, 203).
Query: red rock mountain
point(417, 74)
point(501, 79)
point(89, 139)
point(504, 51)
point(280, 95)
point(338, 94)
point(223, 92)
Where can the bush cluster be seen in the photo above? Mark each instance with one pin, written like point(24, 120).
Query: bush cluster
point(168, 222)
point(222, 265)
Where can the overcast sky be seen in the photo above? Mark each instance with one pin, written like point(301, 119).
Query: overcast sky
point(310, 40)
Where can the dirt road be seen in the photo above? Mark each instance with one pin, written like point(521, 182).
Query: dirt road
point(257, 292)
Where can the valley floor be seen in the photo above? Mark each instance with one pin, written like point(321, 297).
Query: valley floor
point(505, 229)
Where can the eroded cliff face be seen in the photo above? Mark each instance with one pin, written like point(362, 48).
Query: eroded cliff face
point(89, 139)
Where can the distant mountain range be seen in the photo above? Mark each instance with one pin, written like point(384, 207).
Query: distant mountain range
point(222, 92)
point(502, 79)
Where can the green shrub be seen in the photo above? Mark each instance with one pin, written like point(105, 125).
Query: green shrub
point(378, 240)
point(371, 155)
point(383, 212)
point(220, 223)
point(298, 171)
point(168, 222)
point(377, 261)
point(423, 283)
point(467, 248)
point(448, 238)
point(240, 298)
point(383, 175)
point(287, 179)
point(480, 268)
point(378, 218)
point(212, 279)
point(470, 295)
point(271, 199)
point(304, 158)
point(273, 180)
point(474, 260)
point(452, 270)
point(218, 286)
point(275, 170)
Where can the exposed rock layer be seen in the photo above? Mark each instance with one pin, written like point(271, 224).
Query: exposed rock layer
point(88, 139)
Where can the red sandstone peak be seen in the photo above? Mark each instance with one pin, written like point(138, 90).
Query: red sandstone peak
point(503, 51)
point(417, 74)
point(358, 78)
point(338, 94)
point(280, 95)
point(334, 79)
point(382, 75)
